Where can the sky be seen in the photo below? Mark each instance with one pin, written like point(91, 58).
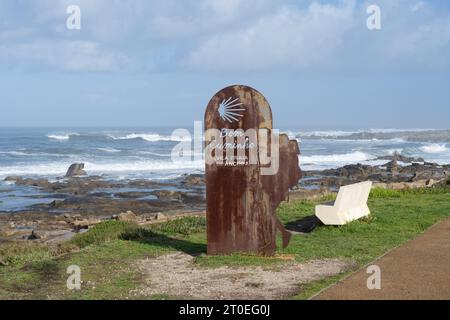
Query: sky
point(143, 63)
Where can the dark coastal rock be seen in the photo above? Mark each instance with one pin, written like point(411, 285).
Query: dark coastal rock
point(34, 235)
point(401, 158)
point(132, 194)
point(41, 183)
point(169, 195)
point(357, 171)
point(85, 223)
point(194, 180)
point(82, 186)
point(391, 174)
point(12, 178)
point(149, 184)
point(96, 206)
point(76, 169)
point(56, 203)
point(392, 167)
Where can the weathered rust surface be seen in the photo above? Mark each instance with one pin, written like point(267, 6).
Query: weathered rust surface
point(241, 203)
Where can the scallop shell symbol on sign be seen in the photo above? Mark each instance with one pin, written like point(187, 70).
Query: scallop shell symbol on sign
point(231, 110)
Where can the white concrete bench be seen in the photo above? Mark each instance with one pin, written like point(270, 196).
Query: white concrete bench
point(350, 204)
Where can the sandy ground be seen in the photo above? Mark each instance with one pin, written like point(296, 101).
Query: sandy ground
point(177, 276)
point(419, 270)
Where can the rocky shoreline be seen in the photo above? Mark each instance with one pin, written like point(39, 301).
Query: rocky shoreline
point(83, 201)
point(398, 172)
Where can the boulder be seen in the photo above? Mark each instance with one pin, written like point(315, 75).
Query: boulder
point(431, 183)
point(34, 235)
point(392, 166)
point(160, 216)
point(381, 185)
point(127, 216)
point(76, 169)
point(56, 203)
point(84, 224)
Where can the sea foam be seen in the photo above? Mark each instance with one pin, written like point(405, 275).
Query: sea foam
point(151, 137)
point(54, 169)
point(338, 158)
point(62, 136)
point(435, 148)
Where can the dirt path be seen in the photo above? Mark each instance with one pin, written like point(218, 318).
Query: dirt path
point(176, 275)
point(418, 270)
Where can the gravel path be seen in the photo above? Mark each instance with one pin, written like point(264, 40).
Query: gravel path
point(419, 270)
point(177, 275)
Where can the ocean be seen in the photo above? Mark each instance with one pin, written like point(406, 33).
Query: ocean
point(118, 153)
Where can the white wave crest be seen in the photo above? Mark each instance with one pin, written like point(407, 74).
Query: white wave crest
point(62, 136)
point(14, 153)
point(157, 154)
point(337, 158)
point(434, 148)
point(109, 150)
point(55, 169)
point(323, 134)
point(151, 137)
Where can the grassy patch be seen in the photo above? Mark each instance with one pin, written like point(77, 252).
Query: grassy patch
point(182, 226)
point(308, 290)
point(108, 251)
point(387, 193)
point(106, 231)
point(15, 254)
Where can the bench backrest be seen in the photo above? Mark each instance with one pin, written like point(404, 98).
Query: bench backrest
point(353, 196)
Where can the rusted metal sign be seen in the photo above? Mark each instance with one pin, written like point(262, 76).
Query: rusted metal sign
point(249, 170)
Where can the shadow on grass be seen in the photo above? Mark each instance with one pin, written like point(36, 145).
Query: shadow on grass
point(152, 238)
point(304, 225)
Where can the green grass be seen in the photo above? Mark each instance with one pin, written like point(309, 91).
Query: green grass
point(185, 226)
point(15, 254)
point(108, 252)
point(107, 231)
point(387, 193)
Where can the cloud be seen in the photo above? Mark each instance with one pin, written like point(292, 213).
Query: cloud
point(325, 36)
point(64, 55)
point(286, 38)
point(225, 36)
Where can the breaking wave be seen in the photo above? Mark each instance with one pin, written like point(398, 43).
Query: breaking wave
point(60, 168)
point(434, 148)
point(151, 137)
point(109, 150)
point(61, 137)
point(338, 158)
